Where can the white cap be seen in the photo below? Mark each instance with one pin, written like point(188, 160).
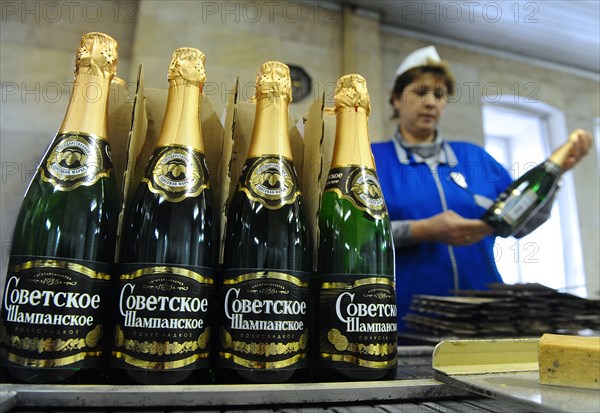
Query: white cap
point(420, 57)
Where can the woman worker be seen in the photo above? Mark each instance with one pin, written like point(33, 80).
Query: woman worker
point(441, 244)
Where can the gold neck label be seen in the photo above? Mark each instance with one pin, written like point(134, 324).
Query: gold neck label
point(270, 180)
point(360, 186)
point(177, 172)
point(76, 159)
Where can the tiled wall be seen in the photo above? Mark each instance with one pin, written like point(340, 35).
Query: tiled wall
point(39, 39)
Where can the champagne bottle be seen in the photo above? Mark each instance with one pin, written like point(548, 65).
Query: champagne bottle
point(516, 205)
point(165, 289)
point(58, 283)
point(263, 293)
point(357, 327)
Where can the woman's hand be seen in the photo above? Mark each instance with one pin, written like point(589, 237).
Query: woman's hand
point(571, 152)
point(450, 228)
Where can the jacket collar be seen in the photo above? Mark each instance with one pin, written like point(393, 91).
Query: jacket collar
point(438, 151)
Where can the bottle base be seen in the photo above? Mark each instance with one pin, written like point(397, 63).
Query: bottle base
point(51, 375)
point(353, 374)
point(255, 376)
point(162, 377)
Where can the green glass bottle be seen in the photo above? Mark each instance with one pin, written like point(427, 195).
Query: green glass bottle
point(516, 205)
point(263, 293)
point(165, 292)
point(357, 330)
point(58, 283)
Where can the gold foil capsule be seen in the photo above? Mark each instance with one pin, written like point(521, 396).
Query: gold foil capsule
point(351, 92)
point(273, 79)
point(97, 55)
point(187, 67)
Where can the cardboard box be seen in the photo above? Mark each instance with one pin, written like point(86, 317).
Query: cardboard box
point(319, 139)
point(226, 146)
point(147, 113)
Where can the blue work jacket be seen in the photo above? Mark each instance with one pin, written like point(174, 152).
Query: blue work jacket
point(415, 190)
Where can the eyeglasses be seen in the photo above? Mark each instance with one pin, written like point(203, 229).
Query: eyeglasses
point(439, 92)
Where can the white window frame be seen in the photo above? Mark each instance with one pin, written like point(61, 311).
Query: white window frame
point(556, 135)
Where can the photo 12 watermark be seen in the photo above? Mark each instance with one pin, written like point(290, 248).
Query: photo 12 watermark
point(267, 12)
point(15, 171)
point(69, 11)
point(519, 252)
point(431, 12)
point(54, 92)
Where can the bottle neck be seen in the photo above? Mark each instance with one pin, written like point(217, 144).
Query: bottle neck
point(181, 124)
point(270, 135)
point(552, 167)
point(559, 156)
point(88, 107)
point(352, 144)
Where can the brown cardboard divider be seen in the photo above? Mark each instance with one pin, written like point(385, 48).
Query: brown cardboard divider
point(319, 139)
point(126, 123)
point(238, 126)
point(147, 113)
point(137, 123)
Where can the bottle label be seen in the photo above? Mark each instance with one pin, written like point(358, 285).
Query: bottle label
point(164, 316)
point(360, 186)
point(357, 321)
point(76, 159)
point(518, 204)
point(264, 320)
point(177, 172)
point(54, 312)
point(270, 180)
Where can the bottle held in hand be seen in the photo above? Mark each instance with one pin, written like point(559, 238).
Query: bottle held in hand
point(515, 206)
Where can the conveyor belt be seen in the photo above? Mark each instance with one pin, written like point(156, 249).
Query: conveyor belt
point(415, 390)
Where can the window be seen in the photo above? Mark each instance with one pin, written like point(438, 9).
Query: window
point(520, 137)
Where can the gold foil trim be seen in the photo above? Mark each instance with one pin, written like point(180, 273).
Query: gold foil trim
point(266, 276)
point(273, 79)
point(262, 172)
point(81, 133)
point(182, 272)
point(352, 109)
point(183, 197)
point(62, 265)
point(358, 283)
point(162, 348)
point(97, 55)
point(328, 110)
point(382, 350)
point(48, 345)
point(177, 173)
point(288, 201)
point(266, 349)
point(351, 92)
point(60, 362)
point(159, 365)
point(266, 365)
point(358, 361)
point(375, 214)
point(339, 341)
point(118, 81)
point(187, 67)
point(88, 160)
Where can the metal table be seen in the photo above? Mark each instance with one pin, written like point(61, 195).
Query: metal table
point(414, 390)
